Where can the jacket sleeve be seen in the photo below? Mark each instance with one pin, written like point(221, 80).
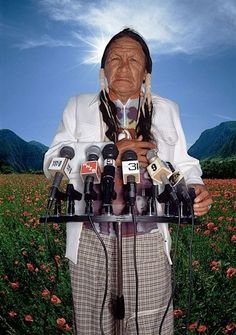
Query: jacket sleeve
point(188, 165)
point(171, 141)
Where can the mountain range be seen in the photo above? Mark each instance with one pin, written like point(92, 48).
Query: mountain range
point(21, 156)
point(18, 155)
point(217, 142)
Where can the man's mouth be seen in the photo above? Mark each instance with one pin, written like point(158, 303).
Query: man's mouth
point(122, 79)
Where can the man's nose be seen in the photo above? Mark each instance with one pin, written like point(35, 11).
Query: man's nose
point(124, 65)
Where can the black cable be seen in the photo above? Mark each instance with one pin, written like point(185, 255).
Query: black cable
point(55, 263)
point(106, 265)
point(173, 273)
point(190, 271)
point(135, 269)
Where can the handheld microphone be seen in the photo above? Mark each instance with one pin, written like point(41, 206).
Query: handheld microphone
point(159, 172)
point(60, 169)
point(178, 182)
point(131, 174)
point(157, 169)
point(109, 153)
point(90, 172)
point(91, 167)
point(130, 166)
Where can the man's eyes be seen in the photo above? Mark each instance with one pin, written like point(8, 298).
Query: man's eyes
point(133, 60)
point(116, 59)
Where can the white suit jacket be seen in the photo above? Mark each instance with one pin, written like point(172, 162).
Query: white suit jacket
point(82, 125)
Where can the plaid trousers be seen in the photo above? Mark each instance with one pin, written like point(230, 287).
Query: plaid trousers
point(88, 284)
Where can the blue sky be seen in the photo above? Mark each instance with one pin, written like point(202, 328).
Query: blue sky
point(50, 50)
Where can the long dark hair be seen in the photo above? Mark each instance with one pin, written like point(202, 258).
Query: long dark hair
point(108, 108)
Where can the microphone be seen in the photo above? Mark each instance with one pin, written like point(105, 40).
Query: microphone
point(178, 182)
point(91, 167)
point(60, 169)
point(130, 166)
point(131, 174)
point(157, 169)
point(109, 153)
point(159, 173)
point(90, 172)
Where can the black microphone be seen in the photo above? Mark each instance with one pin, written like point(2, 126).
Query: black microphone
point(90, 172)
point(178, 182)
point(109, 153)
point(59, 168)
point(131, 174)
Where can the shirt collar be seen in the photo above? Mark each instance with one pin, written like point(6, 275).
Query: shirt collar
point(116, 101)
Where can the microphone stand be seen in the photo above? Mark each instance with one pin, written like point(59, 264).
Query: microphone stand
point(89, 194)
point(120, 304)
point(119, 307)
point(130, 196)
point(59, 197)
point(71, 196)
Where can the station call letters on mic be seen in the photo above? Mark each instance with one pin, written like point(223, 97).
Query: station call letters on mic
point(59, 168)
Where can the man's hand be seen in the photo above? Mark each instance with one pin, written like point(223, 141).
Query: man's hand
point(202, 201)
point(138, 145)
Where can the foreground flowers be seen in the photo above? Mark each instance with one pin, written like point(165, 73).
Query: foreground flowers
point(55, 300)
point(28, 271)
point(231, 326)
point(230, 271)
point(28, 318)
point(61, 323)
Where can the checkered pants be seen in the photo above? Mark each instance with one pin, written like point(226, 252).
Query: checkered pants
point(88, 283)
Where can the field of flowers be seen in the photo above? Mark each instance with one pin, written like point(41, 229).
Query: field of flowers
point(35, 295)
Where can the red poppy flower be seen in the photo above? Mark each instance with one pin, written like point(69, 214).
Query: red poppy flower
point(201, 328)
point(55, 300)
point(230, 271)
point(28, 317)
point(45, 292)
point(61, 322)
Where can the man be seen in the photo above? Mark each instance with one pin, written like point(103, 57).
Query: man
point(128, 114)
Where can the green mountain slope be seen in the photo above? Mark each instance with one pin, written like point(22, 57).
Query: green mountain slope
point(20, 155)
point(217, 142)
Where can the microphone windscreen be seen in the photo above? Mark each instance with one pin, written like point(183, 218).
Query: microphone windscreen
point(129, 155)
point(93, 153)
point(110, 151)
point(67, 152)
point(151, 154)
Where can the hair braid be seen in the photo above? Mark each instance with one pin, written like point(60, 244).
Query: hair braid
point(144, 122)
point(108, 110)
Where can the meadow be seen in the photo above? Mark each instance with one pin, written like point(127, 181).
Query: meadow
point(35, 295)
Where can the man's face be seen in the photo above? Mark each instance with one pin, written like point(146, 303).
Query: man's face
point(125, 68)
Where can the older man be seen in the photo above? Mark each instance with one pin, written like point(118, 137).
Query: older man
point(128, 114)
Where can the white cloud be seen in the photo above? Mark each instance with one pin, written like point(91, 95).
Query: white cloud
point(224, 117)
point(170, 26)
point(44, 41)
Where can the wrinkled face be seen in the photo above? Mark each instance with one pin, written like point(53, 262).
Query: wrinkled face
point(125, 68)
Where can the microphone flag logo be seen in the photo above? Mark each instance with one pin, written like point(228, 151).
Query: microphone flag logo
point(91, 168)
point(88, 167)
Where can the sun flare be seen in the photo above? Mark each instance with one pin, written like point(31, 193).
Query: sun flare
point(97, 44)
